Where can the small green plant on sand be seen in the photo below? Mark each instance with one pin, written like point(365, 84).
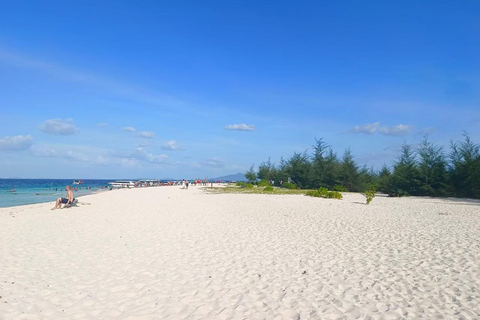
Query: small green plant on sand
point(268, 188)
point(240, 184)
point(313, 193)
point(334, 195)
point(323, 192)
point(249, 185)
point(370, 194)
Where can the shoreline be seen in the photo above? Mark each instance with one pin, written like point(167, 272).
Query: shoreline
point(54, 199)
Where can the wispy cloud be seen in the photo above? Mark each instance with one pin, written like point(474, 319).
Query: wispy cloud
point(38, 151)
point(172, 145)
point(398, 130)
point(59, 127)
point(240, 127)
point(129, 129)
point(142, 154)
point(16, 143)
point(76, 156)
point(214, 163)
point(368, 128)
point(107, 85)
point(371, 128)
point(102, 124)
point(146, 134)
point(143, 144)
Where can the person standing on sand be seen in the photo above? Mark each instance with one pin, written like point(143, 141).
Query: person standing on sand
point(66, 201)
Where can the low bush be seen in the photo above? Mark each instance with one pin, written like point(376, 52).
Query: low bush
point(240, 184)
point(339, 188)
point(268, 188)
point(249, 185)
point(334, 195)
point(323, 191)
point(289, 185)
point(263, 183)
point(370, 194)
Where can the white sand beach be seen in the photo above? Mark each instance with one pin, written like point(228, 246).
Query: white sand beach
point(167, 253)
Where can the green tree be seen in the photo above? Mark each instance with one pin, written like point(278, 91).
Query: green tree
point(405, 178)
point(280, 173)
point(298, 169)
point(384, 179)
point(251, 175)
point(324, 166)
point(266, 171)
point(348, 174)
point(464, 169)
point(432, 169)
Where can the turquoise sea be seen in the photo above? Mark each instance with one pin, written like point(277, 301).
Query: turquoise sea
point(17, 192)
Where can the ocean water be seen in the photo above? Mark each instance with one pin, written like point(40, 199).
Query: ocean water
point(17, 192)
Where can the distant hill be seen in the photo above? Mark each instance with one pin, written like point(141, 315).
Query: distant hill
point(231, 177)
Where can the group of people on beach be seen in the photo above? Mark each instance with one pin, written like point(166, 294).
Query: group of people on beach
point(194, 182)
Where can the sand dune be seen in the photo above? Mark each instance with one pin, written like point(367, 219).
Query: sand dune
point(167, 253)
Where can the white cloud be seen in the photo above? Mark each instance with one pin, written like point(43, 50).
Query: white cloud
point(76, 156)
point(214, 163)
point(398, 130)
point(143, 144)
point(142, 154)
point(59, 127)
point(102, 124)
point(240, 127)
point(43, 152)
point(16, 143)
point(129, 129)
point(171, 145)
point(146, 134)
point(370, 128)
point(110, 160)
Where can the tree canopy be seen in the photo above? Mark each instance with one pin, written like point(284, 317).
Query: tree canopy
point(424, 171)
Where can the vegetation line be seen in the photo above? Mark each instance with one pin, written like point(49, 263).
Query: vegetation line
point(426, 171)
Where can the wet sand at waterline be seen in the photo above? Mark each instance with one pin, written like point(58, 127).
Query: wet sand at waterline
point(168, 253)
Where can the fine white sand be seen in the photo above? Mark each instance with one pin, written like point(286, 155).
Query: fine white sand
point(167, 253)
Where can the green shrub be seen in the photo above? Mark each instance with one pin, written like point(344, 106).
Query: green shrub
point(370, 194)
point(268, 188)
point(339, 188)
point(289, 185)
point(334, 195)
point(263, 183)
point(323, 191)
point(240, 184)
point(249, 185)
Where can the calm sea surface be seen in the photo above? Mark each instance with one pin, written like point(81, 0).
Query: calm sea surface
point(17, 192)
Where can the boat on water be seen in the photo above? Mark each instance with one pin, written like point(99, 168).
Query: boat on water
point(77, 182)
point(122, 184)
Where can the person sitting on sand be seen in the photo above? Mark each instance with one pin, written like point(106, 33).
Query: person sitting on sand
point(66, 201)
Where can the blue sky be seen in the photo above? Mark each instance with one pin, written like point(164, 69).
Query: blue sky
point(117, 89)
